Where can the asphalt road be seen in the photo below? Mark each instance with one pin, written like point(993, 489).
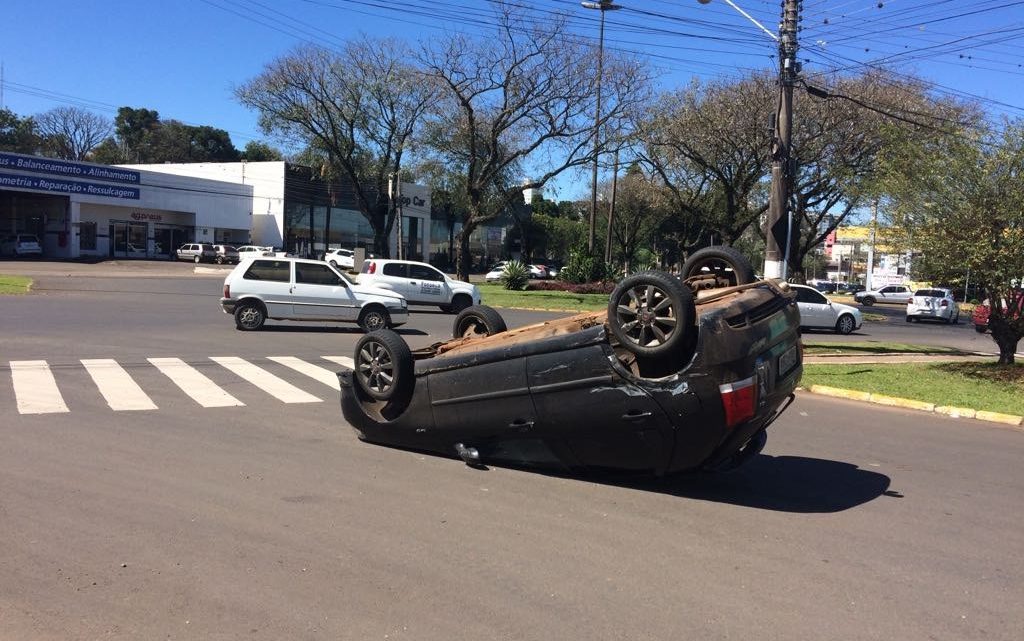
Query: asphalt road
point(270, 520)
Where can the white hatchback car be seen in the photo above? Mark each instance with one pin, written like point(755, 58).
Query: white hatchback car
point(21, 245)
point(341, 258)
point(818, 312)
point(420, 283)
point(283, 288)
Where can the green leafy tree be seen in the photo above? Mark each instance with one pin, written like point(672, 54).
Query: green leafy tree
point(958, 198)
point(258, 151)
point(18, 134)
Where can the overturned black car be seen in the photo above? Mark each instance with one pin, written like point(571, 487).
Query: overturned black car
point(681, 373)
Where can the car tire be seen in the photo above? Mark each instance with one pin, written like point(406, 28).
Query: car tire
point(249, 317)
point(383, 365)
point(727, 265)
point(910, 320)
point(478, 320)
point(846, 324)
point(334, 264)
point(459, 303)
point(220, 260)
point(651, 313)
point(374, 318)
point(867, 301)
point(197, 259)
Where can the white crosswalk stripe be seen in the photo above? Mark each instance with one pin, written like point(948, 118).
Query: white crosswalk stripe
point(344, 361)
point(36, 389)
point(194, 383)
point(322, 374)
point(121, 392)
point(279, 388)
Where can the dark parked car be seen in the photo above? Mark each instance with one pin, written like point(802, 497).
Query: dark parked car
point(665, 380)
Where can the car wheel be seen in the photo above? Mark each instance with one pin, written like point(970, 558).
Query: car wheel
point(334, 264)
point(980, 329)
point(650, 313)
point(845, 324)
point(478, 320)
point(956, 319)
point(197, 259)
point(867, 301)
point(459, 303)
point(718, 266)
point(374, 318)
point(909, 319)
point(249, 316)
point(384, 366)
point(220, 260)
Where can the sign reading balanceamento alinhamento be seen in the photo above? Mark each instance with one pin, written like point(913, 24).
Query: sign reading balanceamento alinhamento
point(36, 164)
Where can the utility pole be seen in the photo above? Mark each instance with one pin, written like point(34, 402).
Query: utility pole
point(611, 211)
point(778, 226)
point(602, 6)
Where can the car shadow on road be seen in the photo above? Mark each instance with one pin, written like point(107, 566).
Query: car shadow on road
point(779, 483)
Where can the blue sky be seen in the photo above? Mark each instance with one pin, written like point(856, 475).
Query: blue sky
point(183, 57)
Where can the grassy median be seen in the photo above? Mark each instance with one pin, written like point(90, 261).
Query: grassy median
point(496, 295)
point(14, 284)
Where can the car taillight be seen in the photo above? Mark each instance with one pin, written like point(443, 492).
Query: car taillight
point(227, 290)
point(371, 267)
point(739, 399)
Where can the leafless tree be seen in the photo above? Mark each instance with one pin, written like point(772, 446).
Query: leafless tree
point(520, 102)
point(72, 133)
point(359, 108)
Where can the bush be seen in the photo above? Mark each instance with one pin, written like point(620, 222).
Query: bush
point(516, 276)
point(584, 268)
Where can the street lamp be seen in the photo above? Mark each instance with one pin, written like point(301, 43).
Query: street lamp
point(602, 6)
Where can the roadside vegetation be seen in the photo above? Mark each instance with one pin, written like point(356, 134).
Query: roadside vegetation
point(15, 284)
point(976, 385)
point(496, 295)
point(873, 348)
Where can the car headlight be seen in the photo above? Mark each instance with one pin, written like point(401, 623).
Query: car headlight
point(405, 303)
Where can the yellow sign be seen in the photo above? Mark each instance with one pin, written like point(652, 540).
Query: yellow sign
point(847, 234)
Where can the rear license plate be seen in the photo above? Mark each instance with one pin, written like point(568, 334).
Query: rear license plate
point(788, 360)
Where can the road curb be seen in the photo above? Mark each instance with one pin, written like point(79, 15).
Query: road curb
point(1011, 420)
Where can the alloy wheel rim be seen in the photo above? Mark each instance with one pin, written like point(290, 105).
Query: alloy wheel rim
point(376, 367)
point(646, 315)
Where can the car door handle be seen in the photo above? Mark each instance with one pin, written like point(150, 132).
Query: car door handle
point(412, 282)
point(635, 415)
point(521, 424)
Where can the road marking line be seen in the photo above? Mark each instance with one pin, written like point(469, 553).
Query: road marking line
point(35, 388)
point(322, 374)
point(117, 386)
point(279, 388)
point(194, 383)
point(344, 361)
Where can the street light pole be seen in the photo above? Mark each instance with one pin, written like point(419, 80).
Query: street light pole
point(602, 6)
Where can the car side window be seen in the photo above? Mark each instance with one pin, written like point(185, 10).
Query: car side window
point(887, 290)
point(809, 296)
point(278, 271)
point(313, 274)
point(422, 272)
point(395, 269)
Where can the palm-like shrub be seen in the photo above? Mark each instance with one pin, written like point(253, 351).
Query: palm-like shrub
point(516, 276)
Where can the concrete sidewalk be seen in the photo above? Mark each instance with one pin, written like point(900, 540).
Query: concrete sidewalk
point(112, 268)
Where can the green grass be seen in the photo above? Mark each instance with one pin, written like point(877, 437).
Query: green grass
point(497, 296)
point(14, 284)
point(873, 347)
point(976, 385)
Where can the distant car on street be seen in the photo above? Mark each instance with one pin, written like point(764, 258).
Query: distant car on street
point(420, 283)
point(936, 303)
point(818, 312)
point(984, 310)
point(344, 258)
point(226, 254)
point(900, 294)
point(197, 252)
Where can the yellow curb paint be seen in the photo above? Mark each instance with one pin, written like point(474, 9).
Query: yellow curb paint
point(837, 392)
point(906, 403)
point(996, 417)
point(956, 412)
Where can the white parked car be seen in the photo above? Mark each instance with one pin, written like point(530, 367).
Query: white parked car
point(197, 252)
point(496, 273)
point(344, 258)
point(21, 245)
point(282, 288)
point(248, 251)
point(936, 303)
point(420, 284)
point(889, 294)
point(818, 312)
